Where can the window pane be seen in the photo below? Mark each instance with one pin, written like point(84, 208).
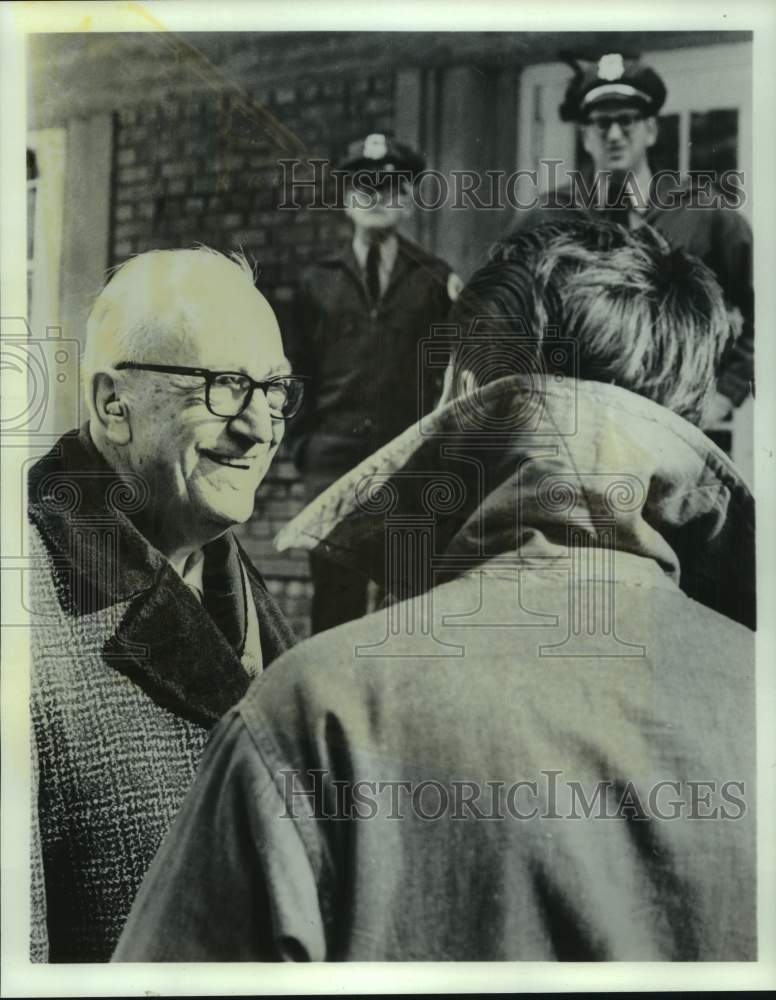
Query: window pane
point(714, 140)
point(664, 155)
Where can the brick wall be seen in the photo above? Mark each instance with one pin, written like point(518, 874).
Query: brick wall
point(203, 168)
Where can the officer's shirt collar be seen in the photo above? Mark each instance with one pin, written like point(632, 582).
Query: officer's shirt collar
point(389, 247)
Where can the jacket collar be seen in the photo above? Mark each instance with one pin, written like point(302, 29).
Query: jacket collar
point(81, 507)
point(515, 473)
point(408, 257)
point(164, 641)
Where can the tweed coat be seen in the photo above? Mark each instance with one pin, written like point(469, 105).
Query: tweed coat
point(544, 752)
point(129, 673)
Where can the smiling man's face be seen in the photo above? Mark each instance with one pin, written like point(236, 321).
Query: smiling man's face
point(203, 470)
point(618, 135)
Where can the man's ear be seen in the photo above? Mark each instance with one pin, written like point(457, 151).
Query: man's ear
point(584, 132)
point(110, 409)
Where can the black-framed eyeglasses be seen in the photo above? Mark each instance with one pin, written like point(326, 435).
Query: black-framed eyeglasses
point(626, 120)
point(227, 394)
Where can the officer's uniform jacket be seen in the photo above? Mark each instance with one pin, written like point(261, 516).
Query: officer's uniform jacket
point(367, 377)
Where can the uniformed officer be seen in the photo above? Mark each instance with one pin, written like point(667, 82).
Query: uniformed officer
point(615, 101)
point(362, 315)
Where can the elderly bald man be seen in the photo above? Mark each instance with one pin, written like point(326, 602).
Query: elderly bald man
point(150, 620)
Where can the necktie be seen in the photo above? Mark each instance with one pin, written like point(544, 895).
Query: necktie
point(373, 273)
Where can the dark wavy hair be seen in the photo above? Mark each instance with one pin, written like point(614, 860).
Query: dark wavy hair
point(641, 315)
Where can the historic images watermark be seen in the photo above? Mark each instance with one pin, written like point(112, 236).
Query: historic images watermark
point(551, 795)
point(317, 185)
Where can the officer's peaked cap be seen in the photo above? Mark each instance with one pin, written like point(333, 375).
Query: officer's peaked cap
point(378, 153)
point(614, 76)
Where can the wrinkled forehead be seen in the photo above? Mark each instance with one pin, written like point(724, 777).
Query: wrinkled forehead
point(203, 310)
point(231, 329)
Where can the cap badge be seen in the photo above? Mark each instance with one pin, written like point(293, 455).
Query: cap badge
point(611, 67)
point(375, 146)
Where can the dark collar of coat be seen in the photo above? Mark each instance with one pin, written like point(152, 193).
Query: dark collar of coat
point(165, 642)
point(82, 508)
point(409, 256)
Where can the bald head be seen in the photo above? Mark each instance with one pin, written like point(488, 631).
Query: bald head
point(165, 304)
